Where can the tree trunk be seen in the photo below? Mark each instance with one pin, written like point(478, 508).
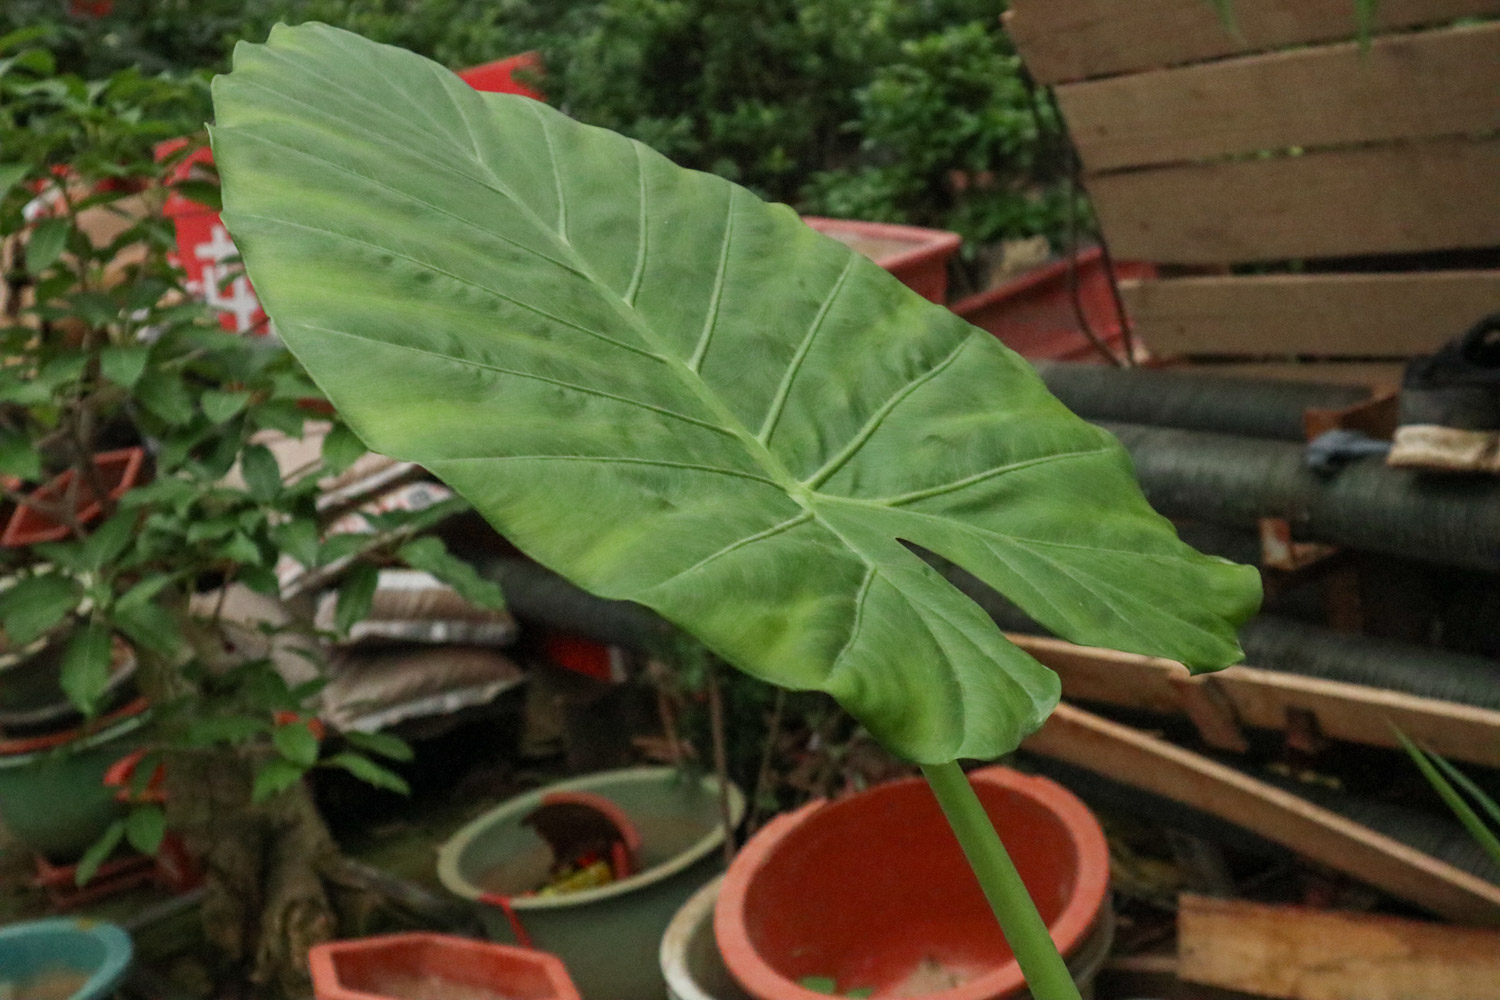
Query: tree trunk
point(267, 899)
point(267, 895)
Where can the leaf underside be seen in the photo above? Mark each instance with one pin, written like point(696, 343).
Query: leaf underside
point(671, 392)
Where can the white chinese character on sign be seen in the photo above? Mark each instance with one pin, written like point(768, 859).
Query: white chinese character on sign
point(240, 300)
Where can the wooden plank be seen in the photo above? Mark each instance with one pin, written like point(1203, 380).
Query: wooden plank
point(1361, 315)
point(1413, 86)
point(1076, 39)
point(1439, 195)
point(1268, 699)
point(1134, 758)
point(1298, 953)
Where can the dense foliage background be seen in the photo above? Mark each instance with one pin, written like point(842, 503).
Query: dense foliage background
point(889, 110)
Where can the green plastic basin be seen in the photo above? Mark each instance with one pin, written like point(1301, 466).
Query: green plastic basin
point(607, 937)
point(53, 799)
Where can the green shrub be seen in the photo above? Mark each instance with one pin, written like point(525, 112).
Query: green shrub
point(890, 110)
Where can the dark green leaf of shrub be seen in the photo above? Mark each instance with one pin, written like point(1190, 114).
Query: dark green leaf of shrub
point(35, 604)
point(355, 595)
point(368, 771)
point(49, 238)
point(145, 827)
point(85, 667)
point(431, 556)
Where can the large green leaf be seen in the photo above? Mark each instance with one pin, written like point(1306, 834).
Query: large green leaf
point(671, 392)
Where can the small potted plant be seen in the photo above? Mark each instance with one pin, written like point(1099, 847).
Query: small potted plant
point(674, 393)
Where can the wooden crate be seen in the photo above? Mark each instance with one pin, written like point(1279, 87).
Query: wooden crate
point(1285, 141)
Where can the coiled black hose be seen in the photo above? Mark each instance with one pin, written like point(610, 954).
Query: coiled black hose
point(1193, 401)
point(1447, 519)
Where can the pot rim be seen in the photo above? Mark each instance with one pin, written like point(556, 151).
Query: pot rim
point(459, 884)
point(16, 752)
point(118, 948)
point(1070, 927)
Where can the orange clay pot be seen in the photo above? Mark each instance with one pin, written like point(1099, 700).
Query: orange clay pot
point(873, 892)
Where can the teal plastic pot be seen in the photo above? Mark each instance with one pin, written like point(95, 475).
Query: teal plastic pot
point(52, 795)
point(40, 959)
point(607, 937)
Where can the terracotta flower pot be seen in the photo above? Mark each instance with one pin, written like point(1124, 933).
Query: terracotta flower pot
point(917, 256)
point(407, 966)
point(873, 892)
point(1033, 314)
point(118, 472)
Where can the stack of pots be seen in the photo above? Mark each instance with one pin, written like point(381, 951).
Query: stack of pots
point(871, 896)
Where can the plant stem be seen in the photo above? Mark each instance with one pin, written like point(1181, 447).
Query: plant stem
point(1046, 974)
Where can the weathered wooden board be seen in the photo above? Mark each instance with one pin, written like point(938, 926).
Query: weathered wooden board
point(1266, 699)
point(1303, 954)
point(1141, 761)
point(1076, 39)
point(1437, 195)
point(1328, 315)
point(1413, 86)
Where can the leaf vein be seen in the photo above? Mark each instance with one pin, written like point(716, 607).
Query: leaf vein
point(640, 249)
point(620, 460)
point(408, 196)
point(463, 281)
point(735, 546)
point(784, 387)
point(711, 319)
point(873, 424)
point(531, 376)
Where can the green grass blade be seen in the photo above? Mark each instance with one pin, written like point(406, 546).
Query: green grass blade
point(1467, 785)
point(1483, 835)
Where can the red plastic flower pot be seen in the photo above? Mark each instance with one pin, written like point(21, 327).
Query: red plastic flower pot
point(917, 256)
point(873, 892)
point(412, 966)
point(118, 472)
point(1034, 314)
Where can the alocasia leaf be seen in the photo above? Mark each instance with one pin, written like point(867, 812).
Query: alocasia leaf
point(672, 392)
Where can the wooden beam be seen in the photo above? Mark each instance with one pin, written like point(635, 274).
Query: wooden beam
point(1145, 762)
point(1439, 195)
point(1360, 315)
point(1077, 39)
point(1411, 86)
point(1298, 953)
point(1268, 699)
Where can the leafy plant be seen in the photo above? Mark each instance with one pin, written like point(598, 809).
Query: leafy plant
point(671, 392)
point(105, 349)
point(952, 136)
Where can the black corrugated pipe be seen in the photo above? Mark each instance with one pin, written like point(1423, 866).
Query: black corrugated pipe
point(1294, 647)
point(1192, 401)
point(1275, 643)
point(1451, 520)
